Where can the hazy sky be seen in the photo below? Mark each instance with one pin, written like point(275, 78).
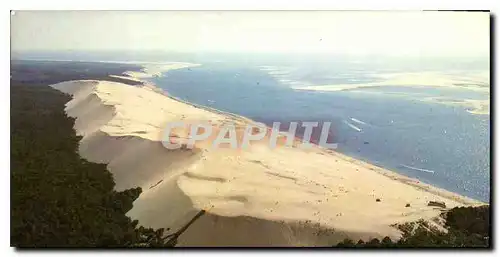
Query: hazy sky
point(358, 33)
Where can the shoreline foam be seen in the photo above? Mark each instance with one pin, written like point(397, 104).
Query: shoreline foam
point(256, 197)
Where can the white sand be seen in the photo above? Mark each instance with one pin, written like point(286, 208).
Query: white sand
point(478, 81)
point(126, 77)
point(258, 196)
point(481, 107)
point(156, 69)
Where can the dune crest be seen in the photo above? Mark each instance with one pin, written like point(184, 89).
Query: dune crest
point(258, 196)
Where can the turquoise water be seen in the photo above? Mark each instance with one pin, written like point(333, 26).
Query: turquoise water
point(439, 144)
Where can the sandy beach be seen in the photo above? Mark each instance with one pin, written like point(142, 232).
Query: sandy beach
point(258, 196)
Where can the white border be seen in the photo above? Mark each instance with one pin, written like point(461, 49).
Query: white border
point(200, 5)
point(255, 5)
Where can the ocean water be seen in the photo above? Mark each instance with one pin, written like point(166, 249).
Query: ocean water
point(443, 145)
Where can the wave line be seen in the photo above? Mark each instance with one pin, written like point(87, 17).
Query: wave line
point(414, 168)
point(352, 126)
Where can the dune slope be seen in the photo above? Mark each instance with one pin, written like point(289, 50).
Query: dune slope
point(258, 196)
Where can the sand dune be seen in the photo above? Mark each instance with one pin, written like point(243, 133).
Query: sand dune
point(257, 196)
